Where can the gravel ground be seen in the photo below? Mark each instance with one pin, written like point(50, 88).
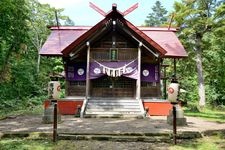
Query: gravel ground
point(107, 145)
point(69, 124)
point(33, 123)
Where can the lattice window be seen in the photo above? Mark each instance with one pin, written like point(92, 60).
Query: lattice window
point(148, 84)
point(77, 83)
point(113, 54)
point(150, 89)
point(102, 83)
point(76, 88)
point(108, 82)
point(123, 83)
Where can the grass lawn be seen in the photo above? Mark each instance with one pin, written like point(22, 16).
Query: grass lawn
point(208, 114)
point(206, 143)
point(34, 111)
point(25, 144)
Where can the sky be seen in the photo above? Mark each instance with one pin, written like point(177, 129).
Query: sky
point(80, 12)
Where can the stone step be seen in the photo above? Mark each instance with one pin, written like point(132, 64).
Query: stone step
point(113, 135)
point(116, 138)
point(132, 137)
point(113, 110)
point(112, 106)
point(113, 101)
point(138, 116)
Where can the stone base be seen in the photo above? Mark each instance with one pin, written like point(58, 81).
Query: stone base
point(180, 121)
point(49, 119)
point(48, 116)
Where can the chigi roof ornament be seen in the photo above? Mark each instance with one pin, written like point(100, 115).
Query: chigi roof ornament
point(114, 8)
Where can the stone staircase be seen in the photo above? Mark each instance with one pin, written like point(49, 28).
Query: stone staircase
point(114, 108)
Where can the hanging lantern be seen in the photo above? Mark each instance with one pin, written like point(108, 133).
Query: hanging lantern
point(54, 89)
point(172, 91)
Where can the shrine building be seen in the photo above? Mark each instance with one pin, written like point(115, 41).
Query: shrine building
point(113, 69)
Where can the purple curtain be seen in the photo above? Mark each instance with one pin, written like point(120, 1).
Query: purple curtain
point(149, 72)
point(76, 72)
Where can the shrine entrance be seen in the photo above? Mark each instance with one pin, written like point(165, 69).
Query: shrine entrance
point(113, 87)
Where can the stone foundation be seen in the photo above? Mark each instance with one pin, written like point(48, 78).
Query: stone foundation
point(181, 120)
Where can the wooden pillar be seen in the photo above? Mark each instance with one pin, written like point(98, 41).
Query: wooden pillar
point(87, 71)
point(164, 66)
point(66, 81)
point(175, 68)
point(138, 90)
point(55, 121)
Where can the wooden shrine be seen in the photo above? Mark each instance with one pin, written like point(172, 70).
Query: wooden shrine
point(113, 68)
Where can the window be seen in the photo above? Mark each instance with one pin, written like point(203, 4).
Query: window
point(77, 83)
point(113, 54)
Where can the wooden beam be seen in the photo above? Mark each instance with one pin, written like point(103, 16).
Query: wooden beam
point(164, 82)
point(96, 8)
point(66, 83)
point(175, 68)
point(87, 71)
point(138, 90)
point(129, 10)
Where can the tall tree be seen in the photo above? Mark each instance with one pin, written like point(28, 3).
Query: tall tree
point(41, 16)
point(158, 17)
point(214, 56)
point(23, 29)
point(13, 35)
point(69, 22)
point(195, 19)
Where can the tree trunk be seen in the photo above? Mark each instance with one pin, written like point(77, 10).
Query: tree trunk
point(201, 84)
point(3, 68)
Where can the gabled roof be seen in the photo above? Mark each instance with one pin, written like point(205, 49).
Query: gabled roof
point(63, 40)
point(167, 39)
point(60, 38)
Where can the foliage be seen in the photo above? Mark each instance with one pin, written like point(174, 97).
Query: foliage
point(158, 17)
point(202, 32)
point(69, 22)
point(23, 32)
point(214, 54)
point(199, 21)
point(13, 27)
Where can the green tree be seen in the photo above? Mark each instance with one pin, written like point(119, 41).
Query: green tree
point(158, 17)
point(41, 16)
point(69, 22)
point(13, 35)
point(195, 17)
point(214, 56)
point(23, 29)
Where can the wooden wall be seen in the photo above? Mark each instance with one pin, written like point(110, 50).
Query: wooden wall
point(126, 50)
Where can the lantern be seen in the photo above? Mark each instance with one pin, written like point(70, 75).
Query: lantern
point(54, 89)
point(172, 91)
